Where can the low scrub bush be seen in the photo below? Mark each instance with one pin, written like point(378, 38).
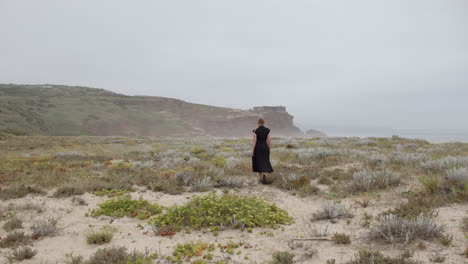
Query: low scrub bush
point(464, 224)
point(444, 163)
point(376, 160)
point(14, 239)
point(367, 180)
point(375, 257)
point(458, 176)
point(282, 257)
point(392, 228)
point(216, 211)
point(42, 228)
point(301, 184)
point(415, 206)
point(100, 237)
point(430, 183)
point(408, 159)
point(18, 191)
point(229, 182)
point(12, 224)
point(331, 211)
point(21, 253)
point(67, 191)
point(111, 192)
point(125, 206)
point(341, 239)
point(119, 255)
point(166, 186)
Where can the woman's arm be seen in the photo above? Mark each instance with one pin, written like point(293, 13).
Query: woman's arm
point(253, 143)
point(269, 141)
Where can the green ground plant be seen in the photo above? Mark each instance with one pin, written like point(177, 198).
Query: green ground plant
point(228, 210)
point(125, 206)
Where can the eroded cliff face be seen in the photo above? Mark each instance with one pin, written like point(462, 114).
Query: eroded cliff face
point(242, 122)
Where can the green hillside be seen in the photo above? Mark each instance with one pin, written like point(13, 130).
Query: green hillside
point(65, 110)
point(71, 111)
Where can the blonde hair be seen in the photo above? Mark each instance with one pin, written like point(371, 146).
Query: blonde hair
point(261, 121)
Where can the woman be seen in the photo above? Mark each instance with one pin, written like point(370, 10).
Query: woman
point(261, 150)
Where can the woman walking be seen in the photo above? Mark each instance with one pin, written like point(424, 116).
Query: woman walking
point(261, 150)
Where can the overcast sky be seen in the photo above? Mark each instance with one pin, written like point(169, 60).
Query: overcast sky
point(397, 64)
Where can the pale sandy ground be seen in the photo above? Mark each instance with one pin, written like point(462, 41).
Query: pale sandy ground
point(74, 223)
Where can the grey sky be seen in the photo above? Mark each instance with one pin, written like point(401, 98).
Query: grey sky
point(400, 64)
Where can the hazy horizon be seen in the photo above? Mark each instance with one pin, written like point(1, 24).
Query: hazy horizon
point(381, 65)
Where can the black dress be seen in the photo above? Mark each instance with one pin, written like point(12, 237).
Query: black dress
point(261, 157)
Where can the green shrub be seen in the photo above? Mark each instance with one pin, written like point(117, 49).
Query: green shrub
point(282, 257)
point(342, 239)
point(186, 251)
point(219, 162)
point(12, 224)
point(125, 206)
point(230, 210)
point(430, 183)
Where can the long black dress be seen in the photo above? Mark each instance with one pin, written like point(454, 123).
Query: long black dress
point(261, 157)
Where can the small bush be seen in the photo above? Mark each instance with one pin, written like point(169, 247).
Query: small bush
point(100, 237)
point(13, 224)
point(430, 183)
point(375, 257)
point(74, 259)
point(227, 210)
point(415, 206)
point(167, 186)
point(186, 251)
point(282, 257)
point(229, 182)
point(14, 239)
point(44, 228)
point(22, 253)
point(367, 180)
point(219, 162)
point(202, 185)
point(111, 192)
point(458, 176)
point(392, 228)
point(464, 225)
point(293, 182)
point(325, 180)
point(332, 211)
point(125, 206)
point(341, 239)
point(18, 191)
point(67, 191)
point(79, 201)
point(119, 255)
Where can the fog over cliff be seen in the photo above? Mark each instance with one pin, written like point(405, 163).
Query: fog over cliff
point(346, 67)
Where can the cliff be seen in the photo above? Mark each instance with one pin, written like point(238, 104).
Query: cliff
point(65, 110)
